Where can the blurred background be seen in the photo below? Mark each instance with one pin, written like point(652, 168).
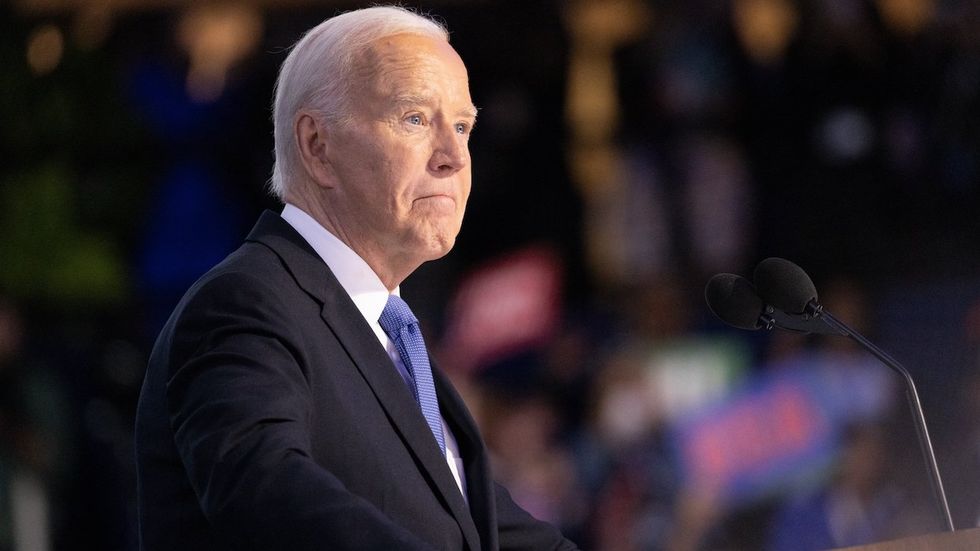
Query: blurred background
point(627, 150)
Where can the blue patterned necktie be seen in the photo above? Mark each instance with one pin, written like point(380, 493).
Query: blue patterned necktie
point(403, 329)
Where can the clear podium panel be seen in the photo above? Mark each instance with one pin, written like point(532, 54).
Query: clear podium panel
point(960, 540)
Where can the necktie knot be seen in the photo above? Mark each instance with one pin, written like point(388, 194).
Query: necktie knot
point(396, 316)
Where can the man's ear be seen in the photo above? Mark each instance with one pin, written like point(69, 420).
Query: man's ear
point(311, 140)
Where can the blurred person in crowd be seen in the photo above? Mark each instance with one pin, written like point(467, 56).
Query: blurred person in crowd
point(33, 440)
point(289, 402)
point(964, 457)
point(624, 458)
point(961, 444)
point(522, 435)
point(859, 507)
point(660, 371)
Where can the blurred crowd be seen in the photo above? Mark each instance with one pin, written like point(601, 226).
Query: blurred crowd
point(840, 134)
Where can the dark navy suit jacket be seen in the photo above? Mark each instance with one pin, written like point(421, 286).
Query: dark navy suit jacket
point(272, 418)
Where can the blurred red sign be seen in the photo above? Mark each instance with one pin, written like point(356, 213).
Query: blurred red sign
point(505, 307)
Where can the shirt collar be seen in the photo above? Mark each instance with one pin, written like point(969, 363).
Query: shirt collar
point(357, 278)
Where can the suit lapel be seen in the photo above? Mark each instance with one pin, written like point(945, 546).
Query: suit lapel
point(479, 483)
point(345, 321)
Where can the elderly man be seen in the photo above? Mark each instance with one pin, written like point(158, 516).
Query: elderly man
point(289, 402)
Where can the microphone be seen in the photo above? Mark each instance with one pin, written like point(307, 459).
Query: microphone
point(734, 300)
point(787, 287)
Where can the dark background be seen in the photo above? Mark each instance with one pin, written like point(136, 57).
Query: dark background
point(852, 151)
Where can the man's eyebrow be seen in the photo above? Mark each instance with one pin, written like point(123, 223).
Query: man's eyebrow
point(469, 112)
point(414, 100)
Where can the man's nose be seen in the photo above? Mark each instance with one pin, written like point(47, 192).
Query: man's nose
point(450, 152)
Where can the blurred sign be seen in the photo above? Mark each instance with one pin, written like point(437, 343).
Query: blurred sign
point(783, 430)
point(505, 307)
point(690, 372)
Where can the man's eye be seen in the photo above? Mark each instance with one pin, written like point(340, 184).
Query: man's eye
point(462, 128)
point(414, 120)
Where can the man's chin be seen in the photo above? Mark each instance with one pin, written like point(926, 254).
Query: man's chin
point(439, 246)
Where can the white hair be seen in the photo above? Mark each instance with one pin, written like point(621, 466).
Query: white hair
point(317, 74)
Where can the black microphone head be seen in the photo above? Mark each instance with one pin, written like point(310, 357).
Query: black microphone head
point(784, 285)
point(733, 299)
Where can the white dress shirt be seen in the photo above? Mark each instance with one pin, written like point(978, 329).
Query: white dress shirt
point(370, 296)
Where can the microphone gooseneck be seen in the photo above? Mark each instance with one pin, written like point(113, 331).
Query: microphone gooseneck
point(925, 443)
point(787, 287)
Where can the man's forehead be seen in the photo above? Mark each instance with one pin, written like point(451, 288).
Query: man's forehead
point(414, 70)
point(409, 52)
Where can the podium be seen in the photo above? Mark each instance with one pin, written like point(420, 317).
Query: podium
point(960, 540)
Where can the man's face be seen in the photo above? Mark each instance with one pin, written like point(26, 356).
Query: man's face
point(402, 163)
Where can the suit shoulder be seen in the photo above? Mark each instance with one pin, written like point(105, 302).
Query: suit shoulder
point(249, 283)
point(251, 268)
point(244, 294)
